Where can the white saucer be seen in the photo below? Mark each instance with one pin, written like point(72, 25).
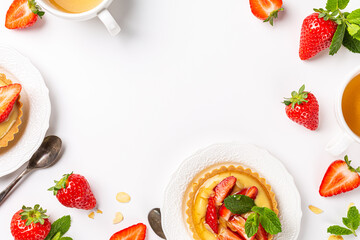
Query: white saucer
point(259, 160)
point(36, 110)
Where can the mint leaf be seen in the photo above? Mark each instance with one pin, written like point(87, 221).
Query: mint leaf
point(337, 39)
point(337, 230)
point(268, 219)
point(66, 238)
point(354, 17)
point(332, 5)
point(353, 45)
point(57, 236)
point(353, 28)
point(353, 218)
point(239, 204)
point(61, 225)
point(343, 4)
point(252, 225)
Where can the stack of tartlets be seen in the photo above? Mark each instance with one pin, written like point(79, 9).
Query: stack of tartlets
point(224, 225)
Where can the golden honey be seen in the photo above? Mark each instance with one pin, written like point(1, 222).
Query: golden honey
point(75, 6)
point(351, 105)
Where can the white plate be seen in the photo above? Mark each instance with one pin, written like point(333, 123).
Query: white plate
point(257, 159)
point(37, 109)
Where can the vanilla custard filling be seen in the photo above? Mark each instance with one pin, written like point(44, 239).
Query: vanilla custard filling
point(206, 189)
point(6, 125)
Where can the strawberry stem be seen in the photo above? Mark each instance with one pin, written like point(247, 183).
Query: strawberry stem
point(33, 215)
point(273, 15)
point(297, 97)
point(60, 184)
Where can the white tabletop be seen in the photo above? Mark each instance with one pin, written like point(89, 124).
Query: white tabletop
point(180, 76)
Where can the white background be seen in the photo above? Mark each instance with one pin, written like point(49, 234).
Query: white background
point(181, 75)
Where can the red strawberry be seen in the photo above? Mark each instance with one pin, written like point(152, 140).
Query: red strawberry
point(303, 108)
point(8, 96)
point(135, 232)
point(238, 223)
point(211, 217)
point(261, 234)
point(73, 190)
point(224, 212)
point(30, 224)
point(266, 10)
point(226, 234)
point(252, 192)
point(22, 14)
point(340, 177)
point(316, 35)
point(223, 189)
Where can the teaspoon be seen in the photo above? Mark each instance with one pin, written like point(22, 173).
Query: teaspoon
point(44, 157)
point(154, 218)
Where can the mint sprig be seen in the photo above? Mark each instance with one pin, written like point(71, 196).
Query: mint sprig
point(240, 204)
point(352, 223)
point(59, 228)
point(348, 29)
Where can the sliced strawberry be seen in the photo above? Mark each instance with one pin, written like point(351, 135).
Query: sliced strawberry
point(8, 97)
point(340, 177)
point(211, 217)
point(238, 223)
point(252, 192)
point(223, 189)
point(261, 234)
point(135, 232)
point(266, 10)
point(224, 212)
point(22, 14)
point(242, 191)
point(226, 234)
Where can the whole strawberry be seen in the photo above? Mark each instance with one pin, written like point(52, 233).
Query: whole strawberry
point(316, 35)
point(30, 224)
point(73, 190)
point(303, 108)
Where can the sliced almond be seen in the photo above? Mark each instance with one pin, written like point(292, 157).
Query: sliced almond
point(334, 237)
point(315, 209)
point(91, 215)
point(99, 211)
point(351, 205)
point(123, 197)
point(118, 218)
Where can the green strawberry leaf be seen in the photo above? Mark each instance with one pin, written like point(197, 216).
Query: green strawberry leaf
point(268, 219)
point(239, 204)
point(337, 39)
point(354, 17)
point(343, 4)
point(337, 230)
point(354, 46)
point(353, 29)
point(66, 238)
point(332, 5)
point(252, 225)
point(61, 226)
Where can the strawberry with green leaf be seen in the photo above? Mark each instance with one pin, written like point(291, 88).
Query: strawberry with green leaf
point(330, 28)
point(22, 14)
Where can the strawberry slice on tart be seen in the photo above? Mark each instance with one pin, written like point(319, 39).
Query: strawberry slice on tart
point(8, 96)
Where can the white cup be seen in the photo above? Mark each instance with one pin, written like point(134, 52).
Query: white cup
point(340, 143)
point(100, 11)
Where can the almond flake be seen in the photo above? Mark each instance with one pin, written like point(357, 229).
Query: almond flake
point(315, 209)
point(334, 237)
point(350, 205)
point(99, 211)
point(118, 218)
point(91, 215)
point(123, 197)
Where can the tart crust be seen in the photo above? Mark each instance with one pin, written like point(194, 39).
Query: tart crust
point(210, 172)
point(9, 136)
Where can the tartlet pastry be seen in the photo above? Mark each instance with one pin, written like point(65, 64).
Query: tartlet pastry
point(10, 126)
point(202, 189)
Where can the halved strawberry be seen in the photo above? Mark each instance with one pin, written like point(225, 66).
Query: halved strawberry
point(266, 10)
point(8, 97)
point(252, 192)
point(223, 189)
point(135, 232)
point(226, 234)
point(22, 14)
point(237, 223)
point(340, 177)
point(211, 217)
point(261, 234)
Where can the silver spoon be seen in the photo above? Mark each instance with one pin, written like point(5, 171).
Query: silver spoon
point(154, 218)
point(44, 157)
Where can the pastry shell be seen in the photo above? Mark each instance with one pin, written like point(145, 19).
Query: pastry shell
point(10, 135)
point(204, 175)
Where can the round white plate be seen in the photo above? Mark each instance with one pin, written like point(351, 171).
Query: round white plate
point(36, 109)
point(257, 159)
